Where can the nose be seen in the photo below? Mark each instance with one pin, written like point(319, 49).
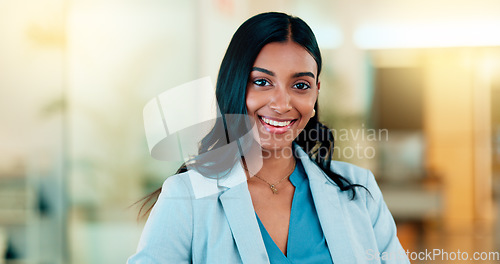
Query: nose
point(280, 100)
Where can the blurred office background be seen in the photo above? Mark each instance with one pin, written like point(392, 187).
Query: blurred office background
point(412, 89)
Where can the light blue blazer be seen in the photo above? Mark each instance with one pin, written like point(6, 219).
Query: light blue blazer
point(202, 220)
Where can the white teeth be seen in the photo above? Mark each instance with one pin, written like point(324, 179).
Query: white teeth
point(276, 123)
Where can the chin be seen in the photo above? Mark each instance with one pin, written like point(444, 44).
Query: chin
point(274, 146)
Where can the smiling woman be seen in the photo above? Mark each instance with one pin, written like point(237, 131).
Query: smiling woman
point(281, 92)
point(296, 205)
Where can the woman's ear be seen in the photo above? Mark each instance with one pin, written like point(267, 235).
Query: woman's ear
point(319, 85)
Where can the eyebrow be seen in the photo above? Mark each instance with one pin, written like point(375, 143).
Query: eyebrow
point(263, 70)
point(299, 74)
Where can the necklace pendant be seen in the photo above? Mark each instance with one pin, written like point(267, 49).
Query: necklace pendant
point(275, 191)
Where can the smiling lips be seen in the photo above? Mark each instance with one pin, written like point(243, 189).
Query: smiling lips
point(276, 126)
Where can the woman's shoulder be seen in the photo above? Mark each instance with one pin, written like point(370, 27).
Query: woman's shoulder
point(354, 174)
point(196, 185)
point(177, 185)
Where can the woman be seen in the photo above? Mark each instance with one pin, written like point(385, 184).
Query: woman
point(282, 199)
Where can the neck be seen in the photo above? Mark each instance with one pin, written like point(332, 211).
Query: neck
point(276, 164)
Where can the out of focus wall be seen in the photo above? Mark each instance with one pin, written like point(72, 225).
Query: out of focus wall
point(409, 87)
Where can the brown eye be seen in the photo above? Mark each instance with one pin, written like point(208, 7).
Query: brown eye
point(261, 82)
point(302, 86)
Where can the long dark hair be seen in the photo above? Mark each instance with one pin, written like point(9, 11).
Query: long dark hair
point(316, 139)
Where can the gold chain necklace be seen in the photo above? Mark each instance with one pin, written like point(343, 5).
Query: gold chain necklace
point(273, 186)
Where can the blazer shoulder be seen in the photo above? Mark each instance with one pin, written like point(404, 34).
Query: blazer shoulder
point(353, 173)
point(193, 185)
point(168, 232)
point(177, 185)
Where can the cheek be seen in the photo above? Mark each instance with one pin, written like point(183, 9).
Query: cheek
point(306, 107)
point(253, 102)
point(250, 106)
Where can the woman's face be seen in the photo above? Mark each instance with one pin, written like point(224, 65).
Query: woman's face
point(281, 93)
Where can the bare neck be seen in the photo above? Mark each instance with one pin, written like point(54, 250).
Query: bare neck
point(276, 164)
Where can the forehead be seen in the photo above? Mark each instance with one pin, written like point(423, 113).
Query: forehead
point(285, 56)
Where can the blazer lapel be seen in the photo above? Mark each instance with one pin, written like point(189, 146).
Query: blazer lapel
point(330, 212)
point(240, 214)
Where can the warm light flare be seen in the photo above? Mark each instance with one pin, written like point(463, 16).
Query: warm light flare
point(428, 35)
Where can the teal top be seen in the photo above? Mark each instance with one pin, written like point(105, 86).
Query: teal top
point(306, 241)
